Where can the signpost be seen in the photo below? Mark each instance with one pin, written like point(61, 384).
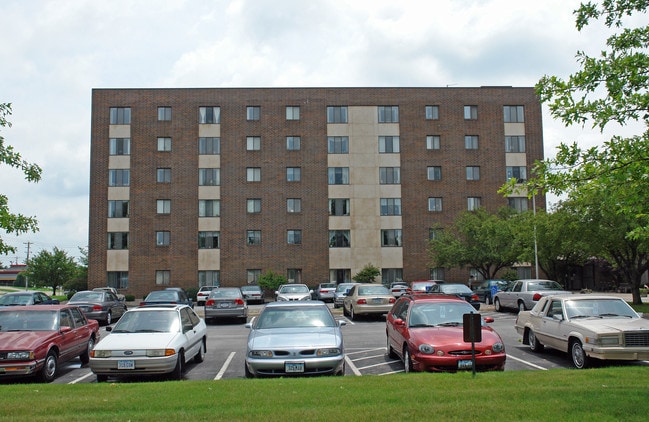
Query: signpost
point(472, 333)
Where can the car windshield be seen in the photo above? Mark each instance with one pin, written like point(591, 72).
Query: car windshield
point(327, 285)
point(250, 288)
point(372, 290)
point(599, 308)
point(87, 297)
point(20, 299)
point(28, 321)
point(343, 287)
point(225, 294)
point(295, 317)
point(454, 288)
point(544, 285)
point(149, 321)
point(162, 296)
point(294, 289)
point(439, 314)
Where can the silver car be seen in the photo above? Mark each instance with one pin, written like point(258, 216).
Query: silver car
point(102, 305)
point(341, 292)
point(295, 338)
point(290, 292)
point(226, 302)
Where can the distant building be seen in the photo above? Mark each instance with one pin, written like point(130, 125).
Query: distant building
point(8, 275)
point(215, 186)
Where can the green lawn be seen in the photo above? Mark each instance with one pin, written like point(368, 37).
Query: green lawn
point(609, 393)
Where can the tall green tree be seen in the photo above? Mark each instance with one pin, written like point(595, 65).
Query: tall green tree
point(51, 269)
point(10, 222)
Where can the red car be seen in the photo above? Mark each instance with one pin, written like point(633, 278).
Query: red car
point(35, 339)
point(426, 332)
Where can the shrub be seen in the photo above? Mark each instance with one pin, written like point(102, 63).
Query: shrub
point(191, 293)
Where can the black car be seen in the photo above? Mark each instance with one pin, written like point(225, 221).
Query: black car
point(170, 295)
point(460, 290)
point(484, 289)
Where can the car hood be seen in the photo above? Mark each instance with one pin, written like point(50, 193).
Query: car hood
point(613, 325)
point(295, 337)
point(25, 340)
point(135, 341)
point(448, 336)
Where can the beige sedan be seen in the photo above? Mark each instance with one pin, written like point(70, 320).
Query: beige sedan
point(367, 299)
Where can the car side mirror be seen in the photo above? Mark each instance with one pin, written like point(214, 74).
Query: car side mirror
point(558, 317)
point(399, 321)
point(342, 322)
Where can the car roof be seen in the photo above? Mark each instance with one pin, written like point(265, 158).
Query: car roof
point(24, 292)
point(296, 303)
point(580, 296)
point(38, 307)
point(434, 297)
point(160, 306)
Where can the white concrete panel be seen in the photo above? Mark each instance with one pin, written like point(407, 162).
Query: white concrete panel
point(209, 131)
point(117, 260)
point(209, 192)
point(209, 161)
point(119, 162)
point(119, 131)
point(209, 259)
point(514, 129)
point(209, 224)
point(516, 159)
point(120, 193)
point(117, 225)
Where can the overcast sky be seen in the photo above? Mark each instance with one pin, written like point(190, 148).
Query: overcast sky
point(55, 52)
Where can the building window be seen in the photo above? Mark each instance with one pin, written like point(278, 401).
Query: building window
point(390, 206)
point(388, 144)
point(119, 146)
point(209, 240)
point(338, 175)
point(162, 238)
point(294, 237)
point(516, 172)
point(253, 206)
point(388, 114)
point(118, 240)
point(293, 143)
point(164, 114)
point(163, 206)
point(435, 204)
point(433, 142)
point(437, 274)
point(435, 173)
point(253, 143)
point(339, 238)
point(253, 237)
point(209, 207)
point(470, 112)
point(209, 278)
point(209, 146)
point(434, 233)
point(391, 237)
point(253, 113)
point(209, 177)
point(339, 206)
point(472, 173)
point(514, 144)
point(391, 275)
point(252, 276)
point(519, 204)
point(162, 277)
point(473, 203)
point(117, 279)
point(432, 112)
point(253, 174)
point(514, 114)
point(293, 205)
point(209, 115)
point(119, 177)
point(471, 142)
point(293, 174)
point(294, 275)
point(390, 175)
point(117, 209)
point(337, 114)
point(164, 144)
point(120, 115)
point(292, 112)
point(163, 175)
point(338, 145)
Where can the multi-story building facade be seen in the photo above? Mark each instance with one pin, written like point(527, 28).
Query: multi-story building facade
point(194, 187)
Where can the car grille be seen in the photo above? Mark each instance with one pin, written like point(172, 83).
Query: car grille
point(463, 352)
point(636, 339)
point(307, 352)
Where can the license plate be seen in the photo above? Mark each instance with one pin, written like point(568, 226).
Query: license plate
point(294, 367)
point(377, 301)
point(464, 364)
point(125, 364)
point(224, 305)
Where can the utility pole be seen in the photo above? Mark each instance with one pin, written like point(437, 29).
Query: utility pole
point(27, 262)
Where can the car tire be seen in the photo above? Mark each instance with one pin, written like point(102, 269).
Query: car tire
point(85, 356)
point(50, 367)
point(345, 313)
point(390, 350)
point(102, 378)
point(535, 344)
point(407, 360)
point(177, 373)
point(521, 306)
point(352, 315)
point(578, 356)
point(247, 371)
point(497, 305)
point(109, 318)
point(200, 356)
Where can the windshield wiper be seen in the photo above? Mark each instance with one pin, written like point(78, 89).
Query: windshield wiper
point(449, 324)
point(581, 316)
point(613, 315)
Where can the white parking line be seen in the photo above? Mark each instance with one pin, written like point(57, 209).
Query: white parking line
point(225, 366)
point(82, 378)
point(352, 366)
point(527, 363)
point(365, 350)
point(378, 364)
point(370, 357)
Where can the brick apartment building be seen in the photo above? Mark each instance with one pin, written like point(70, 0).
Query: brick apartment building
point(205, 186)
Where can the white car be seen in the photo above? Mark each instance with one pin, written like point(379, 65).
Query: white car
point(585, 326)
point(203, 293)
point(289, 292)
point(156, 339)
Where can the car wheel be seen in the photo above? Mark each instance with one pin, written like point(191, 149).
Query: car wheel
point(177, 373)
point(50, 367)
point(247, 371)
point(200, 356)
point(345, 313)
point(102, 378)
point(578, 356)
point(109, 318)
point(535, 344)
point(497, 305)
point(521, 306)
point(407, 361)
point(341, 372)
point(85, 356)
point(352, 315)
point(390, 350)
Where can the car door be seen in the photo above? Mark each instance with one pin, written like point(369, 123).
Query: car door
point(396, 332)
point(115, 305)
point(193, 338)
point(70, 342)
point(509, 298)
point(551, 332)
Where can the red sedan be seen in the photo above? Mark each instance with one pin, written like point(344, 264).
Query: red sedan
point(427, 333)
point(34, 340)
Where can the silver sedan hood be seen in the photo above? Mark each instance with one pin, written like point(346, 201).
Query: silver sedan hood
point(295, 337)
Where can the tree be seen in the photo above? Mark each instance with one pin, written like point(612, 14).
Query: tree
point(9, 222)
point(80, 280)
point(271, 280)
point(51, 269)
point(610, 88)
point(367, 275)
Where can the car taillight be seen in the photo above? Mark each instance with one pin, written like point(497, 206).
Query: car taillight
point(210, 302)
point(96, 308)
point(475, 298)
point(536, 296)
point(392, 300)
point(238, 301)
point(361, 301)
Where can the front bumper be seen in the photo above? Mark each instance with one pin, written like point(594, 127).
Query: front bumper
point(153, 365)
point(616, 353)
point(18, 369)
point(450, 363)
point(312, 366)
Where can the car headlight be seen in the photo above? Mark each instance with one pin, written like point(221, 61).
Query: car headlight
point(157, 353)
point(604, 340)
point(331, 351)
point(100, 353)
point(306, 298)
point(20, 355)
point(498, 347)
point(426, 349)
point(281, 298)
point(261, 354)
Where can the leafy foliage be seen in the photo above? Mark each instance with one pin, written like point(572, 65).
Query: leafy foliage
point(367, 275)
point(51, 269)
point(271, 280)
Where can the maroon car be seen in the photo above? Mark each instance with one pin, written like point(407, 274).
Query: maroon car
point(426, 331)
point(35, 339)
